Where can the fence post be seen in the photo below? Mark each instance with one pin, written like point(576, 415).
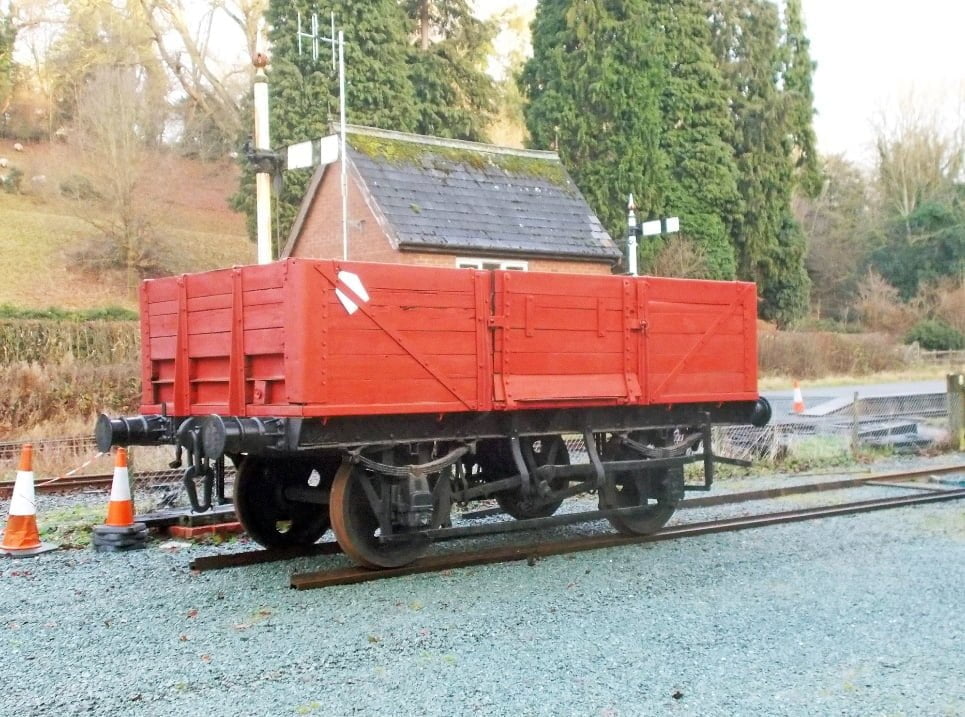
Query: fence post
point(855, 426)
point(956, 411)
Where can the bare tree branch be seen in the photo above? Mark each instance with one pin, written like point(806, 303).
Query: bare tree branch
point(186, 53)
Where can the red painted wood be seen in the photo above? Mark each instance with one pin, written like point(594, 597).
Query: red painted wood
point(571, 318)
point(482, 285)
point(182, 363)
point(148, 390)
point(276, 340)
point(702, 348)
point(422, 351)
point(237, 385)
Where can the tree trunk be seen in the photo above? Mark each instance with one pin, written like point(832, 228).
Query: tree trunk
point(424, 24)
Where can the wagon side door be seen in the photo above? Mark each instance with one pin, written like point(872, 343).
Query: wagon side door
point(562, 339)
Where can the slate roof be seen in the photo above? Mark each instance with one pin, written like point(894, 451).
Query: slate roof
point(466, 197)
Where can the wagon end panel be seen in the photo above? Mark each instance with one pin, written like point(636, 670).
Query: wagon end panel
point(385, 338)
point(158, 327)
point(564, 340)
point(700, 340)
point(213, 342)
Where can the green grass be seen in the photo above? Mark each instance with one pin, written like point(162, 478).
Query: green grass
point(912, 373)
point(37, 236)
point(71, 526)
point(53, 313)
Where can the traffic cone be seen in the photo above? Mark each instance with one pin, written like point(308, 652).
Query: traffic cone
point(798, 406)
point(21, 538)
point(120, 508)
point(119, 532)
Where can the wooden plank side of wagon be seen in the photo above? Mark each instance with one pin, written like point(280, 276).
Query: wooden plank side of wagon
point(564, 339)
point(366, 336)
point(700, 342)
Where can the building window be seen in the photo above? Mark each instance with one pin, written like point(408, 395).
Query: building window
point(491, 264)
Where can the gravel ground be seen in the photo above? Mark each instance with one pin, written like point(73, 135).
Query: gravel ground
point(856, 615)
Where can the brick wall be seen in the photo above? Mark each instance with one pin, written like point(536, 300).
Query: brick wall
point(321, 234)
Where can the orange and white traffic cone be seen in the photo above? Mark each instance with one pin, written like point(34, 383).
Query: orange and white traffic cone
point(120, 508)
point(798, 406)
point(119, 532)
point(21, 538)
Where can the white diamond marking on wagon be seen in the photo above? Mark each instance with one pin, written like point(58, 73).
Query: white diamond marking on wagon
point(354, 284)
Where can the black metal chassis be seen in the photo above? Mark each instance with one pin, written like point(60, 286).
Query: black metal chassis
point(208, 440)
point(310, 434)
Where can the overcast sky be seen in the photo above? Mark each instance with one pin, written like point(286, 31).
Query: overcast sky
point(870, 54)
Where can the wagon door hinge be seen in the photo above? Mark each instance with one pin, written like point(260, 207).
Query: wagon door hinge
point(497, 322)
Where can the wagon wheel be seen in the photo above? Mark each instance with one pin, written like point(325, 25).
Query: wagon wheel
point(546, 450)
point(632, 491)
point(356, 526)
point(270, 518)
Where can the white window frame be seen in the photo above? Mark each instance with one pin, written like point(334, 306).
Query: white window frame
point(504, 264)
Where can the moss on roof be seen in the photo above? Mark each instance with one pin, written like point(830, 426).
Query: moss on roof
point(442, 157)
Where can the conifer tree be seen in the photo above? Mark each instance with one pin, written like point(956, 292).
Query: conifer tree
point(696, 128)
point(770, 245)
point(797, 74)
point(593, 90)
point(454, 94)
point(303, 91)
point(666, 138)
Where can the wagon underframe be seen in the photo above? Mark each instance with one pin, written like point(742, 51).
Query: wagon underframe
point(387, 484)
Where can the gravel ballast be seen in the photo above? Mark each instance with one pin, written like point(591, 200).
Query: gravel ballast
point(858, 615)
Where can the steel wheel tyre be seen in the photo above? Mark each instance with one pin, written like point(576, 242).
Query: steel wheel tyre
point(355, 525)
point(628, 495)
point(551, 450)
point(267, 516)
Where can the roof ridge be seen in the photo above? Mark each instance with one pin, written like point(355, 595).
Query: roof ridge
point(450, 143)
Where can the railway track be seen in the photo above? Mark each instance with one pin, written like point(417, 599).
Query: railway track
point(76, 484)
point(67, 484)
point(351, 575)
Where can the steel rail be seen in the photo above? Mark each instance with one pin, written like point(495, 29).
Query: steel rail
point(255, 557)
point(353, 575)
point(83, 482)
point(820, 487)
point(67, 484)
point(770, 493)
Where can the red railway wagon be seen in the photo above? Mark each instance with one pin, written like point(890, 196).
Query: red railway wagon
point(370, 397)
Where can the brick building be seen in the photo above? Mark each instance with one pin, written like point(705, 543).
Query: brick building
point(423, 200)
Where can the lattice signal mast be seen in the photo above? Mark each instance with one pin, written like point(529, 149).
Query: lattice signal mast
point(337, 43)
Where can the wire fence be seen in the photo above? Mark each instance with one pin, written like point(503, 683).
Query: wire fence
point(950, 358)
point(833, 428)
point(841, 427)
